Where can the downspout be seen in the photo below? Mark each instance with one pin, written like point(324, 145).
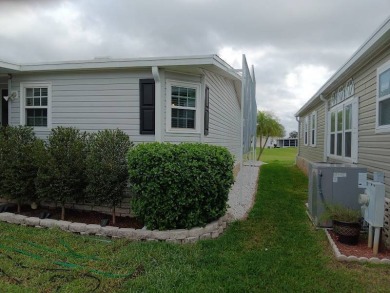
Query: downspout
point(158, 104)
point(325, 155)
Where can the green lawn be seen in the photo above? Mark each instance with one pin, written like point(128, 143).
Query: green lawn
point(275, 250)
point(281, 155)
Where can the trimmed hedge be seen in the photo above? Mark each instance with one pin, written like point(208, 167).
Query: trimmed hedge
point(61, 176)
point(107, 172)
point(18, 163)
point(180, 186)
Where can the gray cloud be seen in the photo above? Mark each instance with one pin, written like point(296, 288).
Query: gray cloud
point(280, 37)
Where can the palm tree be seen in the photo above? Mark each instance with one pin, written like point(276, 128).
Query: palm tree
point(268, 126)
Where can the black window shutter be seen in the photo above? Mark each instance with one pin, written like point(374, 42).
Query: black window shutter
point(206, 111)
point(147, 106)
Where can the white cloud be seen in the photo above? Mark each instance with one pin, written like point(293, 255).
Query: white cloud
point(304, 80)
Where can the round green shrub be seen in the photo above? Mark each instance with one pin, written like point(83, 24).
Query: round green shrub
point(180, 186)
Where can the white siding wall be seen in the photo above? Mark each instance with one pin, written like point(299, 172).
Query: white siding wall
point(90, 100)
point(224, 126)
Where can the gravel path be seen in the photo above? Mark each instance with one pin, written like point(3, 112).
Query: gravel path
point(243, 192)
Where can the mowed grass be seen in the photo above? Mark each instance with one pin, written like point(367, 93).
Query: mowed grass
point(275, 250)
point(281, 155)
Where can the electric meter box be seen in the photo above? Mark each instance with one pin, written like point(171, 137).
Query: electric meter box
point(331, 184)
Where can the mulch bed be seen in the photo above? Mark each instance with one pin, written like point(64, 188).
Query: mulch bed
point(361, 249)
point(73, 215)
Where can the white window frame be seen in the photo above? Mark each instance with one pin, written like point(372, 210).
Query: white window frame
point(313, 129)
point(354, 131)
point(306, 131)
point(197, 87)
point(23, 87)
point(379, 71)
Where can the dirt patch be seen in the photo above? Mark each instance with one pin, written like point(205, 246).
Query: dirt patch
point(361, 249)
point(73, 215)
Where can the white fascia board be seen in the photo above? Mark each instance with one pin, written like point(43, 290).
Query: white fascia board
point(108, 63)
point(9, 67)
point(381, 35)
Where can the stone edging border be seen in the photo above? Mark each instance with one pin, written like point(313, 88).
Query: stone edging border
point(342, 257)
point(210, 231)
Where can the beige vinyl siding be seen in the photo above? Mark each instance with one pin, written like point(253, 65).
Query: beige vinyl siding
point(224, 121)
point(90, 101)
point(310, 153)
point(373, 148)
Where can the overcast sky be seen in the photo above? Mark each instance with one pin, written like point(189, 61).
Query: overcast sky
point(295, 45)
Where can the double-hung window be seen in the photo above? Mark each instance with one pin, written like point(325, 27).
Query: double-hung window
point(383, 98)
point(313, 129)
point(342, 131)
point(183, 106)
point(306, 131)
point(35, 105)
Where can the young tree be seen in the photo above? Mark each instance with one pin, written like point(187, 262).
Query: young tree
point(268, 126)
point(19, 167)
point(61, 174)
point(293, 134)
point(107, 170)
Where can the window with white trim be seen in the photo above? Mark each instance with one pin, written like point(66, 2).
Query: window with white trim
point(183, 106)
point(383, 98)
point(306, 131)
point(342, 131)
point(313, 129)
point(35, 102)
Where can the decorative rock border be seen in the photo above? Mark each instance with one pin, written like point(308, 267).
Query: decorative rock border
point(210, 231)
point(342, 257)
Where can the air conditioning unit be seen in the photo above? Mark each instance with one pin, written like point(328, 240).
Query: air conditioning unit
point(334, 184)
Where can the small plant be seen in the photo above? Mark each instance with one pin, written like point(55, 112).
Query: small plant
point(61, 174)
point(18, 164)
point(107, 170)
point(336, 212)
point(180, 186)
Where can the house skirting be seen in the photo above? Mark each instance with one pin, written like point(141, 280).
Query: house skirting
point(302, 164)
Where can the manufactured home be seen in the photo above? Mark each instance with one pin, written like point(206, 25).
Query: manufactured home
point(173, 99)
point(348, 119)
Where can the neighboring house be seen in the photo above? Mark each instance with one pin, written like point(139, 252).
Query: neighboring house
point(348, 119)
point(174, 99)
point(278, 142)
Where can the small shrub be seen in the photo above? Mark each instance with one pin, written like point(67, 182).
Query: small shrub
point(180, 186)
point(19, 166)
point(61, 175)
point(107, 170)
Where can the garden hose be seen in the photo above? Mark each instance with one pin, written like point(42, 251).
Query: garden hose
point(138, 270)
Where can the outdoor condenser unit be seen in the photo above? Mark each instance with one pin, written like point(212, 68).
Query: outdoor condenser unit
point(334, 184)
